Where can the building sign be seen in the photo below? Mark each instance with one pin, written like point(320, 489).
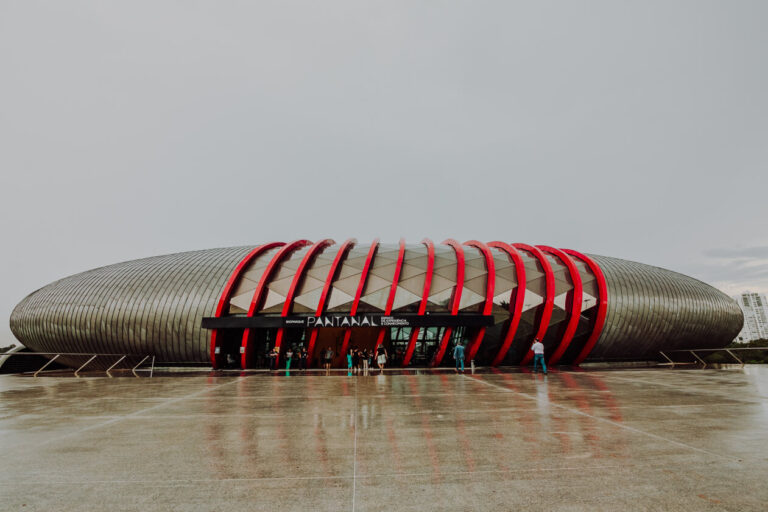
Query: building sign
point(368, 320)
point(338, 321)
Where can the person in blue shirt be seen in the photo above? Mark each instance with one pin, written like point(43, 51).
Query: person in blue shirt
point(458, 355)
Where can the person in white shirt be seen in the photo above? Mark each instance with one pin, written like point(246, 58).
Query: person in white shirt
point(538, 355)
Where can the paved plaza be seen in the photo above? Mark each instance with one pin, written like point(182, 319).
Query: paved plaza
point(641, 439)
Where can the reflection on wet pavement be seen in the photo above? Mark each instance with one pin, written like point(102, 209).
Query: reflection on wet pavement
point(409, 440)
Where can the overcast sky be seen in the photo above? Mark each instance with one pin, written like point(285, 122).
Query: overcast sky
point(629, 129)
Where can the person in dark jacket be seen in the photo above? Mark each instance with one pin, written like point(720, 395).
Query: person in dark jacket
point(458, 355)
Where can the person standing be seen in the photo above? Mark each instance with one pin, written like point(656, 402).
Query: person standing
point(327, 358)
point(538, 355)
point(458, 355)
point(381, 357)
point(303, 359)
point(274, 356)
point(288, 358)
point(349, 360)
point(365, 358)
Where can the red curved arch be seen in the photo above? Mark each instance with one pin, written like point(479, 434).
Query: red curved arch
point(574, 308)
point(392, 291)
point(490, 283)
point(259, 293)
point(516, 300)
point(602, 304)
point(424, 297)
point(358, 294)
point(343, 250)
point(549, 300)
point(229, 288)
point(455, 300)
point(288, 304)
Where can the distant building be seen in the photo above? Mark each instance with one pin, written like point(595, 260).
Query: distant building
point(755, 309)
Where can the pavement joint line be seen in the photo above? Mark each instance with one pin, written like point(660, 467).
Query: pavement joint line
point(337, 477)
point(354, 454)
point(610, 422)
point(325, 398)
point(135, 413)
point(31, 416)
point(753, 399)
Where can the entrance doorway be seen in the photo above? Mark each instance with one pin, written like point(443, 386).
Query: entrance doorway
point(362, 338)
point(427, 344)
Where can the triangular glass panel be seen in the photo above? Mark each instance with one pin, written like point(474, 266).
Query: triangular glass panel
point(281, 286)
point(440, 283)
point(242, 301)
point(532, 299)
point(469, 299)
point(339, 298)
point(411, 270)
point(414, 284)
point(403, 298)
point(271, 300)
point(348, 285)
point(477, 285)
point(310, 299)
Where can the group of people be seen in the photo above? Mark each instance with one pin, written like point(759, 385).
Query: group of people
point(357, 359)
point(363, 359)
point(299, 356)
point(538, 356)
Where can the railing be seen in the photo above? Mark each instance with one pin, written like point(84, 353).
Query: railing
point(694, 353)
point(91, 357)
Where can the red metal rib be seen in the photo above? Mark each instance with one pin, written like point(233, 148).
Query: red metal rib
point(602, 304)
point(343, 250)
point(516, 300)
point(490, 282)
point(424, 297)
point(358, 294)
point(574, 308)
point(229, 289)
point(260, 293)
point(297, 277)
point(392, 292)
point(455, 300)
point(549, 300)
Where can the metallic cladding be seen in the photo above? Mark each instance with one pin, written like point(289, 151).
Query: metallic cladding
point(154, 306)
point(652, 309)
point(147, 306)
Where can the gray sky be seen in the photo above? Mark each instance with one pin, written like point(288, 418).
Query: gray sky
point(130, 129)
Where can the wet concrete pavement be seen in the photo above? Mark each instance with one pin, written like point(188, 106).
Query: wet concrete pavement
point(656, 439)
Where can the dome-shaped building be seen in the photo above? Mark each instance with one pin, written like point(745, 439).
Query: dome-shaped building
point(230, 306)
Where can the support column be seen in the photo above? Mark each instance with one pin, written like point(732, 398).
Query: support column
point(229, 288)
point(549, 299)
point(602, 304)
point(260, 293)
point(516, 300)
point(573, 307)
point(455, 300)
point(424, 298)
